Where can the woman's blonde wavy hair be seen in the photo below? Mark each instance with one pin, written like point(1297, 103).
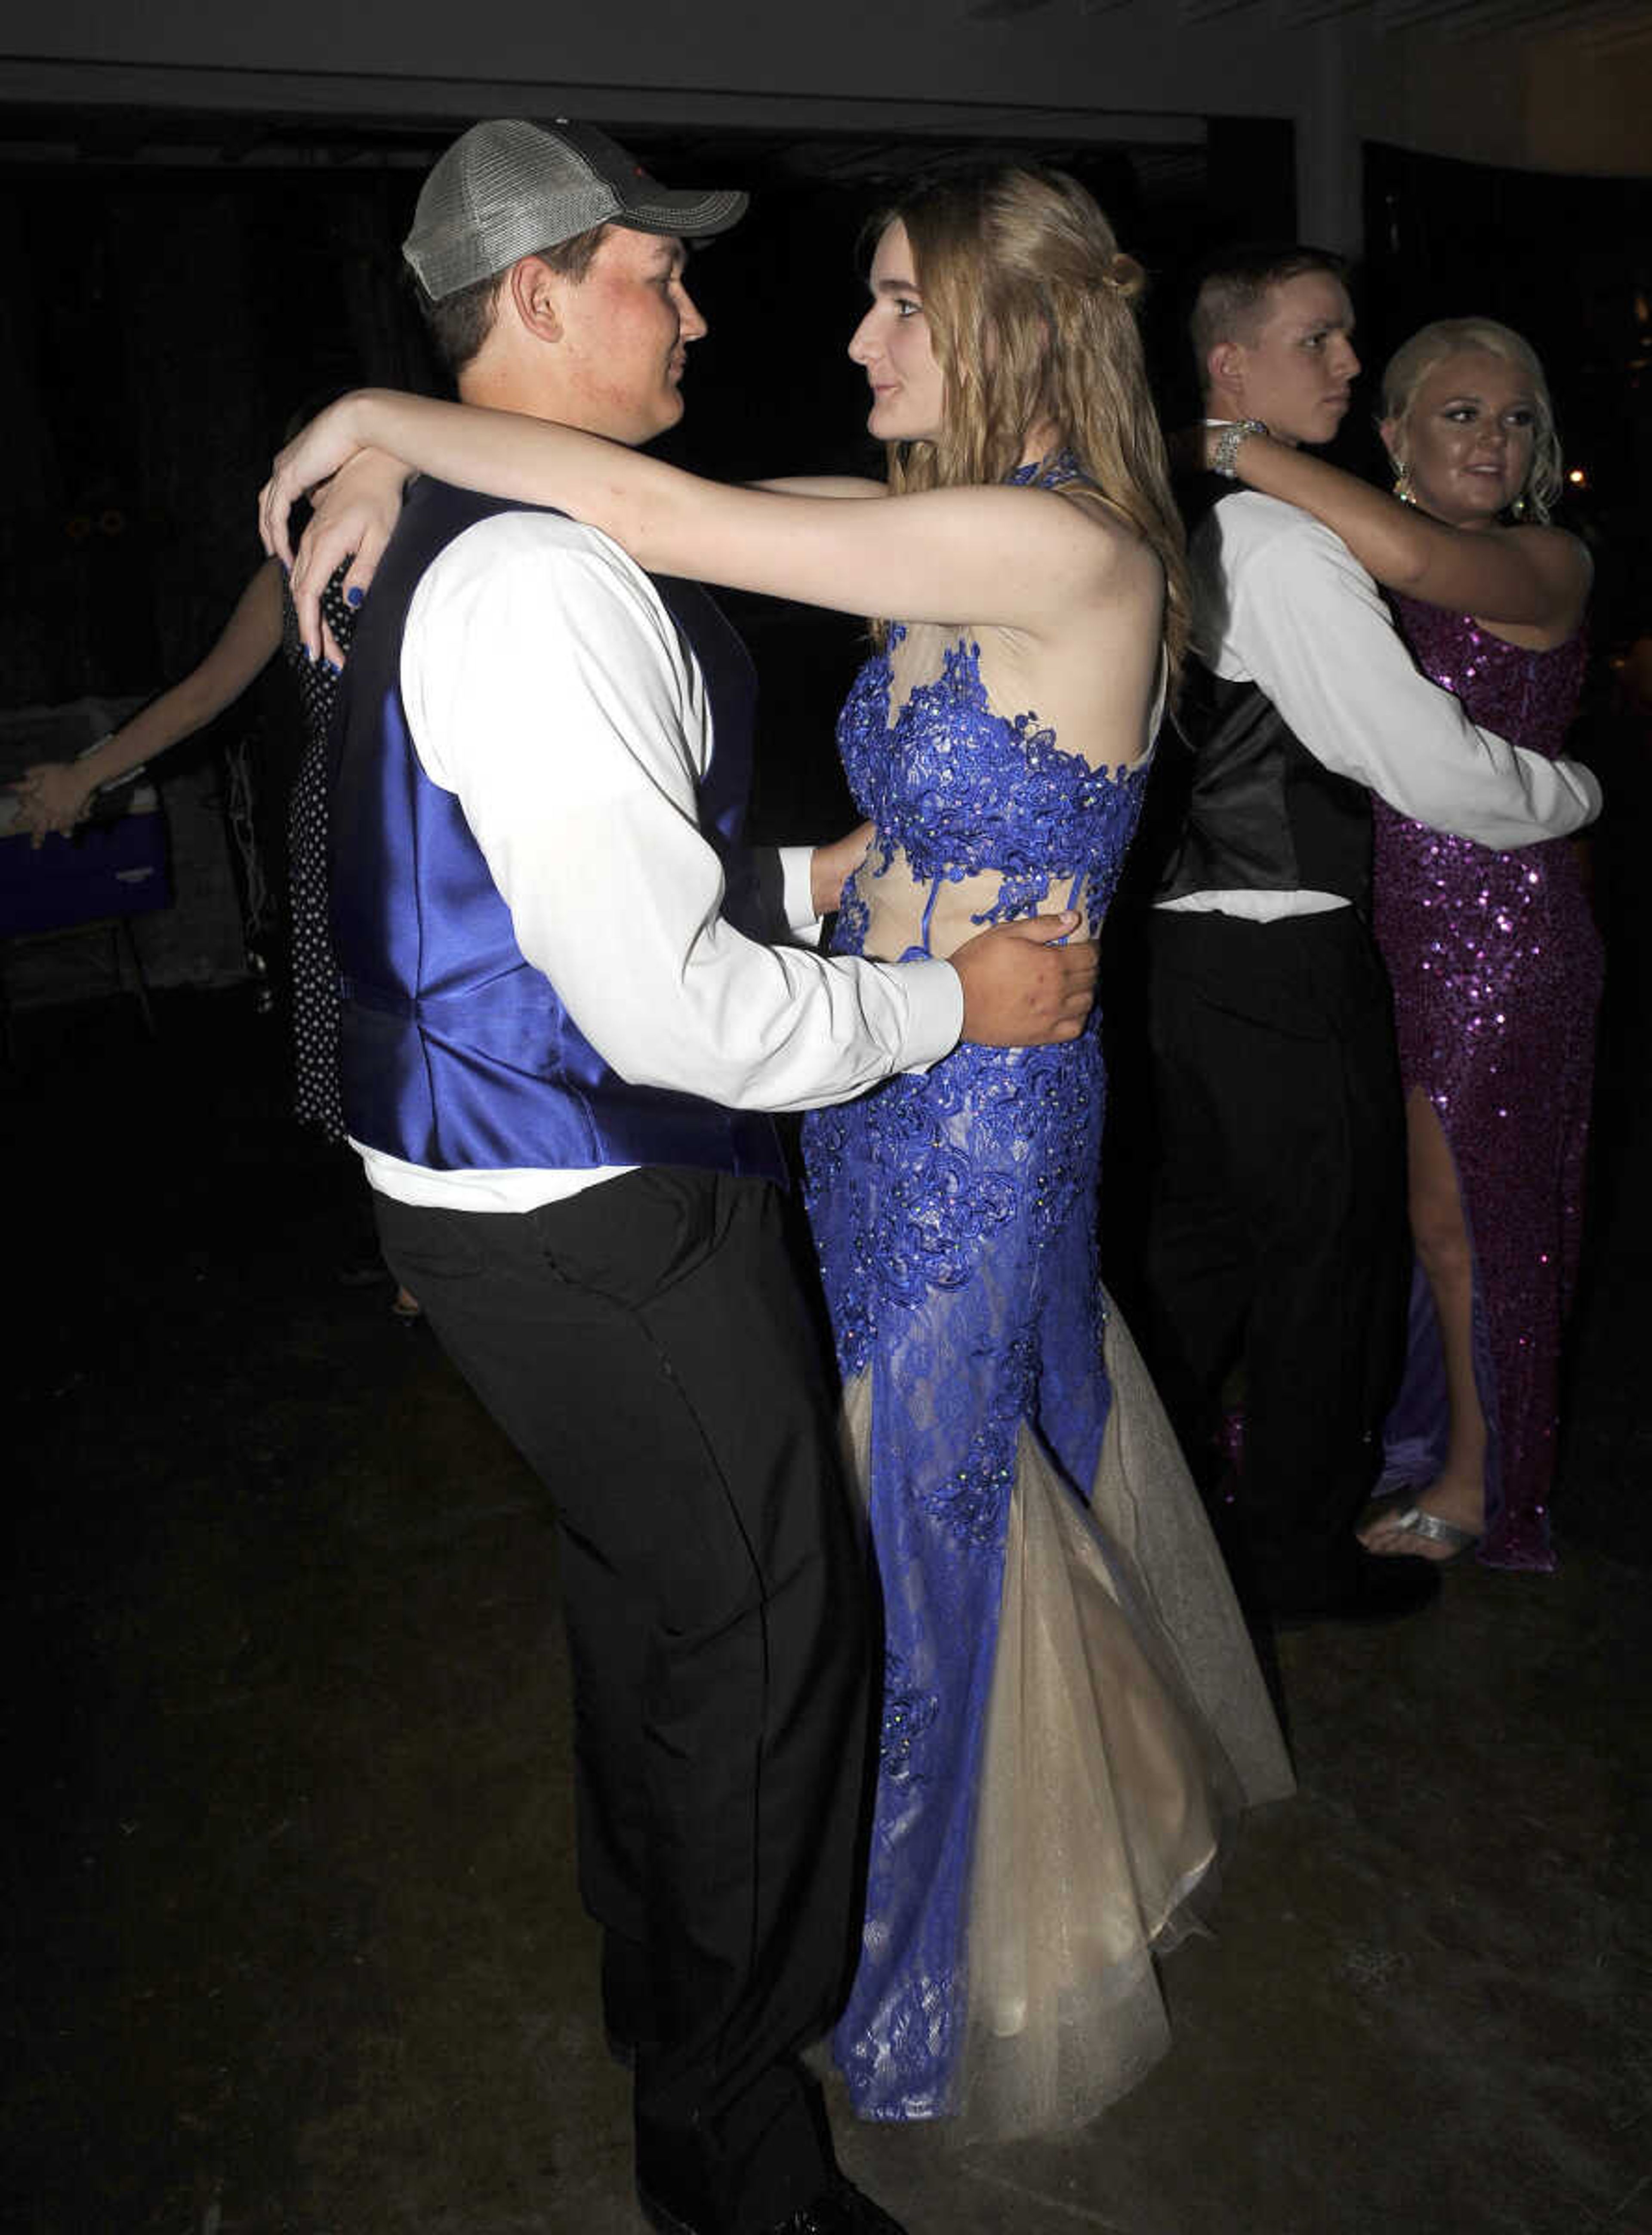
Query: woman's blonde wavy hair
point(1413, 361)
point(1031, 308)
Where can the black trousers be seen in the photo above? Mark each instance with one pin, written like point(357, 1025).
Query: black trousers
point(645, 1346)
point(1277, 1238)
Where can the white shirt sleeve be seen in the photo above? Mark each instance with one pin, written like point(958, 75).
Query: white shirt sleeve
point(1289, 608)
point(547, 686)
point(798, 902)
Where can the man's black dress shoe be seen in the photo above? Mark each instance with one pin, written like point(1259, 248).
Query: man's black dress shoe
point(1377, 1589)
point(840, 2209)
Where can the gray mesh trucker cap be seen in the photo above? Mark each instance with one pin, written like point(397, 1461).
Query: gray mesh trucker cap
point(506, 188)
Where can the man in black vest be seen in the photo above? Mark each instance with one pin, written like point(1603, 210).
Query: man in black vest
point(559, 1042)
point(1277, 1234)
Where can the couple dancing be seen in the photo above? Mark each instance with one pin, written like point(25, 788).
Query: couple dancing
point(560, 1030)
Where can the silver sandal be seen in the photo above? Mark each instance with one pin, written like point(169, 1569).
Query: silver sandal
point(1416, 1521)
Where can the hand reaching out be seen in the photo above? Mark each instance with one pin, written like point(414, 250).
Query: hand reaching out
point(52, 797)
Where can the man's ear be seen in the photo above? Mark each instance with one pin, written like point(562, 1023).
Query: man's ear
point(535, 293)
point(1224, 366)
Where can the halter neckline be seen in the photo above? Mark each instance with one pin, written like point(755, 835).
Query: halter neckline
point(1053, 472)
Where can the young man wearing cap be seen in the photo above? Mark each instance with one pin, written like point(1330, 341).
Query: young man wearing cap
point(1279, 1218)
point(560, 1040)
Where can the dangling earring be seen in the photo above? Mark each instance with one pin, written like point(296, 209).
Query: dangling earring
point(1518, 509)
point(1402, 482)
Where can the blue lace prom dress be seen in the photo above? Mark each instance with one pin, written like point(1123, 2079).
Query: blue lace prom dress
point(1072, 1711)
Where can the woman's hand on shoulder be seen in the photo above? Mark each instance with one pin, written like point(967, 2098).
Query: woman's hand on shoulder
point(352, 518)
point(314, 455)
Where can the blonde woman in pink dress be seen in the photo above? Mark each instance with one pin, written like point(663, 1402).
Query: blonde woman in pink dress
point(1495, 960)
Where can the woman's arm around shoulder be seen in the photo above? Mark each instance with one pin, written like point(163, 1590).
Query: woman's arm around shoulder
point(1021, 558)
point(1533, 578)
point(1014, 558)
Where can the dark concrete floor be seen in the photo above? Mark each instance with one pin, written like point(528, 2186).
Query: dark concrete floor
point(291, 1935)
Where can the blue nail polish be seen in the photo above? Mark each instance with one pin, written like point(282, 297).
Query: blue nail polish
point(332, 667)
point(354, 594)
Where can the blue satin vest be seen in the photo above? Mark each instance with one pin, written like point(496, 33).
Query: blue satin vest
point(455, 1052)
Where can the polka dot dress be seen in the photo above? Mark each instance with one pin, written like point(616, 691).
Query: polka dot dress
point(314, 986)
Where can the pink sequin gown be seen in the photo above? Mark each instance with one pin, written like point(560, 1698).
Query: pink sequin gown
point(1495, 966)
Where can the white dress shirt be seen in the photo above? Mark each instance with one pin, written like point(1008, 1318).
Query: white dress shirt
point(547, 687)
point(1281, 601)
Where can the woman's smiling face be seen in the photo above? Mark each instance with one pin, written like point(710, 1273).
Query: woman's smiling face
point(1468, 437)
point(892, 344)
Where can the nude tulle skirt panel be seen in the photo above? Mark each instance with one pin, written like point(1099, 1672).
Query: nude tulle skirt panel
point(1128, 1727)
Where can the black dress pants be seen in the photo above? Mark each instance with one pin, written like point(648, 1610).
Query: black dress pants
point(1277, 1239)
point(645, 1346)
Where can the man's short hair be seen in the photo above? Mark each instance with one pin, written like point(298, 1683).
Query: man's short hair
point(1231, 298)
point(460, 324)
